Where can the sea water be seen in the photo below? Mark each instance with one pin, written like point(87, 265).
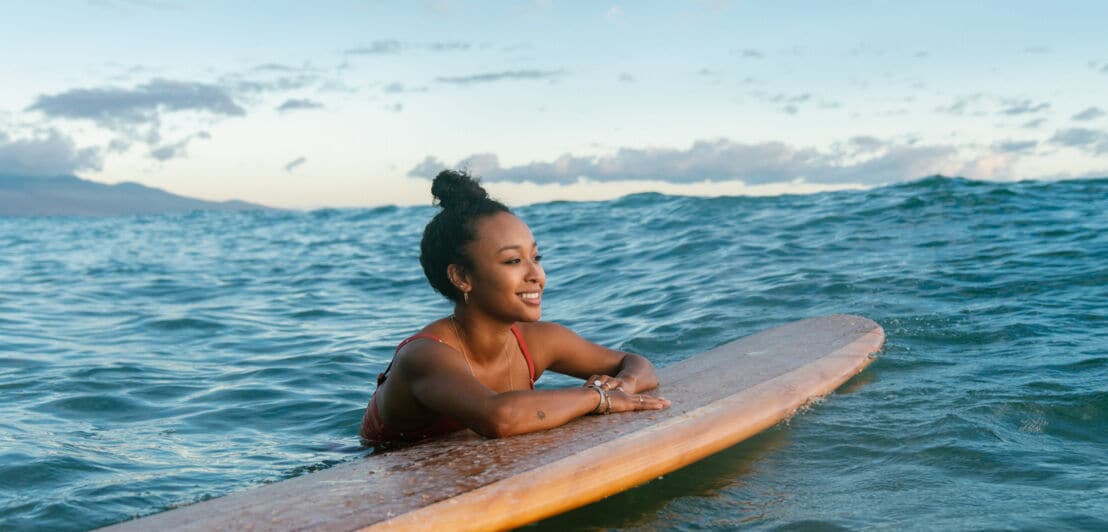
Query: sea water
point(150, 362)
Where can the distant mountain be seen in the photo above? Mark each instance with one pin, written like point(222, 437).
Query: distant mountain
point(73, 196)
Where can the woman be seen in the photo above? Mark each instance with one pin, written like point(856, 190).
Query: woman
point(477, 368)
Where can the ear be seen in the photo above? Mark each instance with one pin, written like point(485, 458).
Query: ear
point(459, 278)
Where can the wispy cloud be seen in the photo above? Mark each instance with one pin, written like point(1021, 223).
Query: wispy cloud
point(387, 46)
point(111, 106)
point(394, 46)
point(1091, 140)
point(1091, 113)
point(293, 164)
point(48, 154)
point(1015, 146)
point(137, 114)
point(298, 104)
point(961, 104)
point(724, 160)
point(400, 88)
point(1023, 107)
point(177, 149)
point(508, 75)
point(979, 104)
point(749, 53)
point(626, 78)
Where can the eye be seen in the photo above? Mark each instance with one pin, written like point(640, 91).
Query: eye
point(512, 261)
point(538, 258)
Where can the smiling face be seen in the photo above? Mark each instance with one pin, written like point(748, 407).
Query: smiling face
point(506, 280)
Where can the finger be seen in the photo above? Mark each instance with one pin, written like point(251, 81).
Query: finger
point(652, 403)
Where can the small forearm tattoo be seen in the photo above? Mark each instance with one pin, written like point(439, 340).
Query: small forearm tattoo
point(541, 414)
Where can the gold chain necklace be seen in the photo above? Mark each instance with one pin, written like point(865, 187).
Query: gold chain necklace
point(503, 350)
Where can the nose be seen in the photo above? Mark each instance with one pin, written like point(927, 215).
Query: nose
point(536, 273)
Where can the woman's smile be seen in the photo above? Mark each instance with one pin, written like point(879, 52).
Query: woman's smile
point(531, 298)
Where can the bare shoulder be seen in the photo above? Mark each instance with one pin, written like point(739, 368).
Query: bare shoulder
point(423, 355)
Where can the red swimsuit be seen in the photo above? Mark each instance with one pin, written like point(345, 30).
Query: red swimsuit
point(374, 431)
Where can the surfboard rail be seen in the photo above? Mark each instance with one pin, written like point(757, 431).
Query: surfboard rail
point(463, 482)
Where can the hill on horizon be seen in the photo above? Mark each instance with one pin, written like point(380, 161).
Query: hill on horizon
point(72, 196)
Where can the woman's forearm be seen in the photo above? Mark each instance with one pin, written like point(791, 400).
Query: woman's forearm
point(529, 411)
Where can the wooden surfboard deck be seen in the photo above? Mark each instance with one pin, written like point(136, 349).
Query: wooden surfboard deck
point(465, 482)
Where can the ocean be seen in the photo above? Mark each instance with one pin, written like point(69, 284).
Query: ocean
point(150, 362)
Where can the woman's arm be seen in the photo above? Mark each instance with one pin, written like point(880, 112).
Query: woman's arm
point(572, 355)
point(439, 380)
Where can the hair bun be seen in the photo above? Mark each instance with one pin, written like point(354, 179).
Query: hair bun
point(453, 189)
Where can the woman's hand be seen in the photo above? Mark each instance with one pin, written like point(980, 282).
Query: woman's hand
point(608, 383)
point(628, 402)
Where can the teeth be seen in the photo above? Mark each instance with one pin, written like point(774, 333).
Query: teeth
point(530, 295)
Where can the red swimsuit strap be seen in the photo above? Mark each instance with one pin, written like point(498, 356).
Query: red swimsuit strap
point(526, 354)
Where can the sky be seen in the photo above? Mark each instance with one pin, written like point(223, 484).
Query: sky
point(349, 104)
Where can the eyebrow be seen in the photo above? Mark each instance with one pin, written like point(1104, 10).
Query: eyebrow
point(516, 246)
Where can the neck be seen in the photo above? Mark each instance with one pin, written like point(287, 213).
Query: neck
point(484, 337)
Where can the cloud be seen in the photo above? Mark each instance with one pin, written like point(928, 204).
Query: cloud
point(274, 67)
point(395, 107)
point(298, 104)
point(48, 154)
point(1034, 124)
point(137, 114)
point(1015, 146)
point(1090, 140)
point(1089, 114)
point(393, 46)
point(721, 160)
point(243, 85)
point(866, 144)
point(177, 149)
point(626, 78)
point(114, 108)
point(509, 75)
point(295, 163)
point(613, 13)
point(388, 46)
point(790, 98)
point(961, 104)
point(1022, 107)
point(400, 88)
point(449, 46)
point(750, 53)
point(979, 104)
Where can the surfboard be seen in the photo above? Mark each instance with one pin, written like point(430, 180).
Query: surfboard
point(465, 482)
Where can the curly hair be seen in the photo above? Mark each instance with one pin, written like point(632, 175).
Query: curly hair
point(464, 201)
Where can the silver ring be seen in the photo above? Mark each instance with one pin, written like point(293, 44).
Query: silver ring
point(596, 382)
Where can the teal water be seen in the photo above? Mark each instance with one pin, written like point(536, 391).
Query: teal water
point(149, 362)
